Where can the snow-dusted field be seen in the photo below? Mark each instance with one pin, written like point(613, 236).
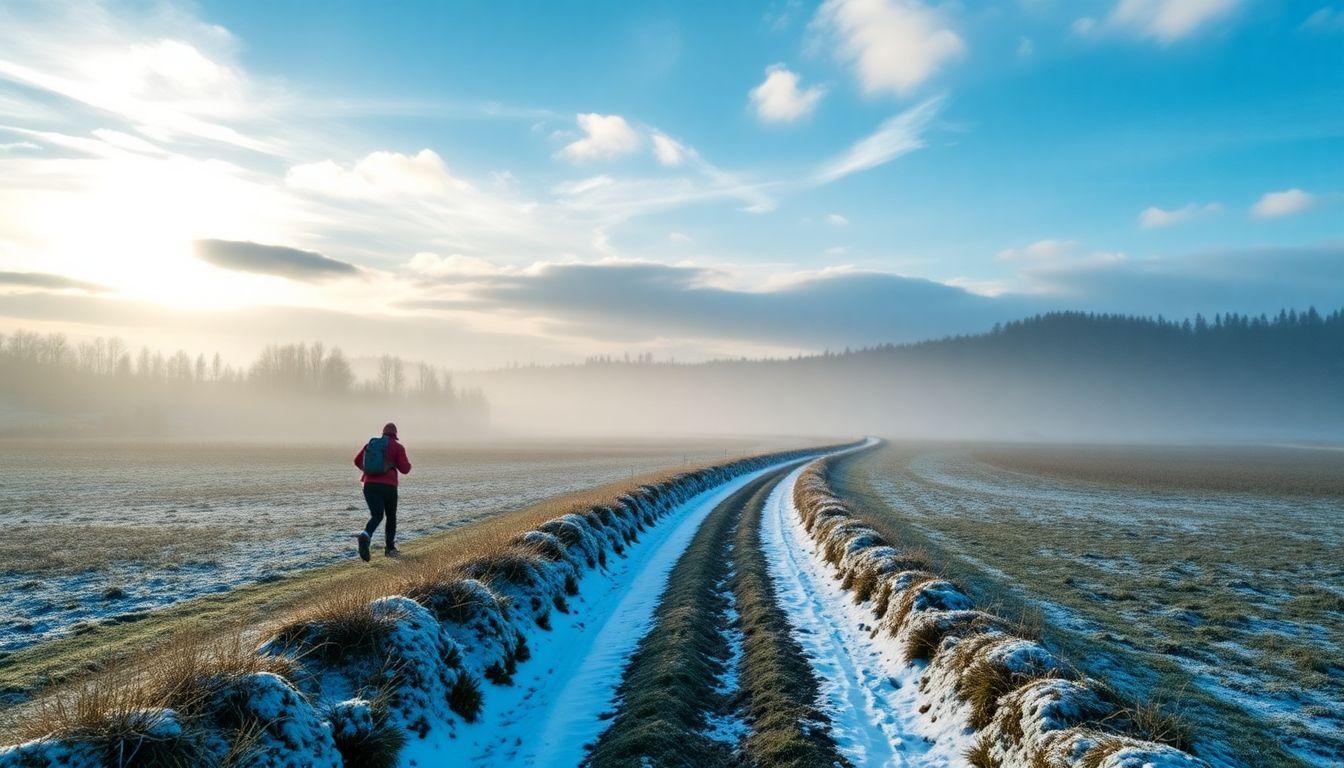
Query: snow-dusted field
point(97, 531)
point(1230, 599)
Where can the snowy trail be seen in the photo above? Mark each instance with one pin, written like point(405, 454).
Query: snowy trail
point(554, 707)
point(869, 693)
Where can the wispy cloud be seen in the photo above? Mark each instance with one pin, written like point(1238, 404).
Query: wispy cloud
point(167, 74)
point(1154, 217)
point(1168, 21)
point(276, 260)
point(899, 135)
point(47, 281)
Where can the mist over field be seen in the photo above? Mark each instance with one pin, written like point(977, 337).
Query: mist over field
point(1061, 377)
point(1057, 377)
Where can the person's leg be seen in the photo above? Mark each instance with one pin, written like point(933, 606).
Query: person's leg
point(390, 507)
point(374, 498)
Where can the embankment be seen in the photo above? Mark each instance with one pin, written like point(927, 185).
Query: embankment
point(350, 680)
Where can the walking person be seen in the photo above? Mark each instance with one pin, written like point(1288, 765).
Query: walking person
point(382, 460)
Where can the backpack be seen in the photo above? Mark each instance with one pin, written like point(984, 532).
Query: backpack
point(375, 456)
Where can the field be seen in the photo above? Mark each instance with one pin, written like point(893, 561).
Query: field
point(103, 534)
point(785, 610)
point(1209, 579)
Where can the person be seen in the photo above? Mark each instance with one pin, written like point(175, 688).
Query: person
point(380, 493)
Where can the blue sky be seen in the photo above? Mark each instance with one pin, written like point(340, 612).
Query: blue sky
point(477, 183)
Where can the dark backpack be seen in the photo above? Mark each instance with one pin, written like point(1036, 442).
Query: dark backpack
point(375, 456)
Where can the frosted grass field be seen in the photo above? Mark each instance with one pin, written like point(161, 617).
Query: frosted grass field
point(105, 532)
point(1213, 578)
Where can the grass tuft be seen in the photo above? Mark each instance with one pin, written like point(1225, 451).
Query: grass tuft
point(465, 697)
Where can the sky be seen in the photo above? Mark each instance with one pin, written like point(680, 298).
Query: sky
point(480, 184)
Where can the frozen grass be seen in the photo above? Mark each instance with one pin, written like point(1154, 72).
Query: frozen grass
point(157, 523)
point(668, 692)
point(1206, 588)
point(157, 715)
point(350, 639)
point(780, 690)
point(113, 644)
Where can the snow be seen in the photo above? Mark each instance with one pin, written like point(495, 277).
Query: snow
point(868, 691)
point(553, 708)
point(729, 727)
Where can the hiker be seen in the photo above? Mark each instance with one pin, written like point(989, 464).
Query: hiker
point(380, 460)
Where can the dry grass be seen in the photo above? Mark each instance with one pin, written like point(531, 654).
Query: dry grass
point(339, 625)
point(123, 717)
point(63, 666)
point(981, 754)
point(329, 615)
point(923, 641)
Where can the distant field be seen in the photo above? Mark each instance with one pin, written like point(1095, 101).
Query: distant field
point(104, 532)
point(1214, 578)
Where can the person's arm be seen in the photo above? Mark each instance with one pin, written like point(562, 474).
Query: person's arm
point(403, 462)
point(359, 460)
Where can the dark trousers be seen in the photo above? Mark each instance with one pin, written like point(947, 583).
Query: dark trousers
point(382, 501)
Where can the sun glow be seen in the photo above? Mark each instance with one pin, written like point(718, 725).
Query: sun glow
point(131, 220)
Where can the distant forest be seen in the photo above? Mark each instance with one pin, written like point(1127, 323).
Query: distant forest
point(53, 386)
point(1062, 375)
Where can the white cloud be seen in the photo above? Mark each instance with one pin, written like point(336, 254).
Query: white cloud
point(836, 251)
point(454, 265)
point(1273, 205)
point(1153, 217)
point(1041, 251)
point(1325, 19)
point(897, 136)
point(892, 45)
point(836, 220)
point(1168, 20)
point(1025, 47)
point(778, 99)
point(1084, 26)
point(127, 141)
point(606, 137)
point(381, 174)
point(669, 151)
point(167, 74)
point(681, 238)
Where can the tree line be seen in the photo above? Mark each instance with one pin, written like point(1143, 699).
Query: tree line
point(48, 373)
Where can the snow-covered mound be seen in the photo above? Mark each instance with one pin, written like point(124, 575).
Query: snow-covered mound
point(1027, 707)
point(367, 677)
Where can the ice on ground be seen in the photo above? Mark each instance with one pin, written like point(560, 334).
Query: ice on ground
point(868, 691)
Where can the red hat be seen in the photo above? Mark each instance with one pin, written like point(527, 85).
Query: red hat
point(390, 429)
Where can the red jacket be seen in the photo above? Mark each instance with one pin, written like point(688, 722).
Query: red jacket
point(396, 456)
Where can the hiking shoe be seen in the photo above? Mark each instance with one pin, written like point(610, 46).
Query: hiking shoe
point(392, 552)
point(364, 547)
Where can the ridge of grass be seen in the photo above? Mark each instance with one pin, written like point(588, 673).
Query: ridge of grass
point(668, 687)
point(779, 687)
